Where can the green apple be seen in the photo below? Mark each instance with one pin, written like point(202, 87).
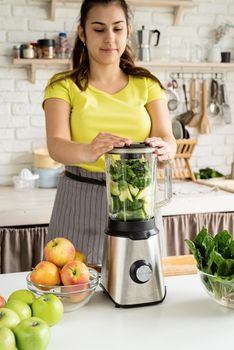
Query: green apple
point(24, 295)
point(7, 339)
point(22, 309)
point(49, 308)
point(32, 334)
point(8, 318)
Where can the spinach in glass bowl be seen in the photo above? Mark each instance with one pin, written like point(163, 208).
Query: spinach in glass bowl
point(214, 255)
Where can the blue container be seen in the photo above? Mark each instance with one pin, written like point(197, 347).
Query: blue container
point(48, 177)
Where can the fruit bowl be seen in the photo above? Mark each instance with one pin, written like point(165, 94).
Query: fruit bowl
point(72, 296)
point(220, 289)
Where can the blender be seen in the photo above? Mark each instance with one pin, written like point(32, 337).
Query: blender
point(131, 268)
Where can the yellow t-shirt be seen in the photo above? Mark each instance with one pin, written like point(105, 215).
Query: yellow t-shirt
point(94, 111)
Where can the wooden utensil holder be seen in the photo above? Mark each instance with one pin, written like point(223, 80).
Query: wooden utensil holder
point(181, 168)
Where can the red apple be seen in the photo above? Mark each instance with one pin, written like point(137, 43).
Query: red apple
point(75, 272)
point(78, 295)
point(45, 273)
point(2, 301)
point(80, 256)
point(75, 275)
point(59, 251)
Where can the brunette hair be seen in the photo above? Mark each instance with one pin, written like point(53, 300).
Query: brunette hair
point(80, 60)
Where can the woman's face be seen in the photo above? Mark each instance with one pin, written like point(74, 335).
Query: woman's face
point(105, 34)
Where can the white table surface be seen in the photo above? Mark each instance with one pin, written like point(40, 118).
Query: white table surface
point(35, 207)
point(187, 319)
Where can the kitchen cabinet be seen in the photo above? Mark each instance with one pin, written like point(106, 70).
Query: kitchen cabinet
point(34, 64)
point(186, 319)
point(178, 5)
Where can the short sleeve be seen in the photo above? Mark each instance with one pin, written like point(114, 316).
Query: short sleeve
point(155, 92)
point(59, 89)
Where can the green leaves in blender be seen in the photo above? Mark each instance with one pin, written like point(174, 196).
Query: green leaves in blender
point(130, 189)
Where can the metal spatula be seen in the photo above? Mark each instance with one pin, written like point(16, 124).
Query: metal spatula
point(187, 116)
point(226, 110)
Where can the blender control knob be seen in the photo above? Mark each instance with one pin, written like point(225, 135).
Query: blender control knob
point(141, 271)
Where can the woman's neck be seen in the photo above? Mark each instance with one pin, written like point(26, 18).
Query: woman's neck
point(108, 74)
point(110, 79)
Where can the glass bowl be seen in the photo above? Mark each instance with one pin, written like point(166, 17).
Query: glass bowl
point(73, 296)
point(219, 289)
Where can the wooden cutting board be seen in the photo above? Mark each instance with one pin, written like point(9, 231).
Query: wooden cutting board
point(179, 265)
point(223, 184)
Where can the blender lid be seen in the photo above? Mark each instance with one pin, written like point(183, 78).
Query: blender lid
point(135, 147)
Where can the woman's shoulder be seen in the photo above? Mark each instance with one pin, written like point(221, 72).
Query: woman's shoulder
point(151, 89)
point(146, 82)
point(60, 87)
point(59, 80)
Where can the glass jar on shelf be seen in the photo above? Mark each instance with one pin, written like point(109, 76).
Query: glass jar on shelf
point(28, 51)
point(62, 49)
point(16, 51)
point(35, 48)
point(46, 48)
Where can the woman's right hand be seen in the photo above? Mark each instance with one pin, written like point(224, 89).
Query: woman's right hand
point(103, 143)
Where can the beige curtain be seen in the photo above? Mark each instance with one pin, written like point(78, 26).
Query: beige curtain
point(178, 228)
point(21, 248)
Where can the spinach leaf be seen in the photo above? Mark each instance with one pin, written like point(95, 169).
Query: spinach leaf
point(196, 253)
point(214, 254)
point(222, 241)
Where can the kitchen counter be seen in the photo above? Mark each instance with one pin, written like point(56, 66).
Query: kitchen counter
point(187, 319)
point(25, 207)
point(35, 207)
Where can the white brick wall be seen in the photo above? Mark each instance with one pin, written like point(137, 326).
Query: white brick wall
point(22, 125)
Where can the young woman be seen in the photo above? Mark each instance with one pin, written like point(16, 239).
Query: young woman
point(104, 102)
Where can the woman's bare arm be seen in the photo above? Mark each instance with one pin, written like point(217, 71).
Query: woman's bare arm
point(161, 135)
point(60, 146)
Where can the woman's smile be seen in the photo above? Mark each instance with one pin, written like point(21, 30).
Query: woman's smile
point(109, 50)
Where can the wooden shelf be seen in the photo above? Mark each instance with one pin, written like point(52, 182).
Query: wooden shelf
point(190, 66)
point(177, 5)
point(34, 64)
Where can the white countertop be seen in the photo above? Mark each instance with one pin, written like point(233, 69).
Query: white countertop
point(189, 197)
point(35, 207)
point(25, 207)
point(187, 319)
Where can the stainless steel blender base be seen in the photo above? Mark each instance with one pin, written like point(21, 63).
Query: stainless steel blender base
point(132, 305)
point(132, 271)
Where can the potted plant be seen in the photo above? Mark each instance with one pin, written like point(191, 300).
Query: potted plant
point(221, 31)
point(215, 54)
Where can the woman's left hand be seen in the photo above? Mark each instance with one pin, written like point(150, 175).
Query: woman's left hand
point(162, 148)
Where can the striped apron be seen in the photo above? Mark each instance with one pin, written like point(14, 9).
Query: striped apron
point(80, 213)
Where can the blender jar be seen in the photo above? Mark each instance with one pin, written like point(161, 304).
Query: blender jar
point(131, 173)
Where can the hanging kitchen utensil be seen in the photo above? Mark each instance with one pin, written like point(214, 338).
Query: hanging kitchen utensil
point(232, 166)
point(226, 110)
point(174, 97)
point(194, 103)
point(204, 127)
point(214, 108)
point(187, 116)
